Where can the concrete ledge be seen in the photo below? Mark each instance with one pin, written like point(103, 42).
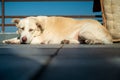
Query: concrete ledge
point(58, 62)
point(4, 36)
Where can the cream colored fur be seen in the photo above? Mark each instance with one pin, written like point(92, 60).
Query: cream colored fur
point(53, 30)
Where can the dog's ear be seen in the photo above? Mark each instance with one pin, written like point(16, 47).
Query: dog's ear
point(16, 20)
point(40, 26)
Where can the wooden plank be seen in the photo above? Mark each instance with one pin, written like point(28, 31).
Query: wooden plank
point(77, 16)
point(8, 25)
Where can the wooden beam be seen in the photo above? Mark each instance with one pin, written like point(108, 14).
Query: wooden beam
point(77, 16)
point(3, 16)
point(103, 13)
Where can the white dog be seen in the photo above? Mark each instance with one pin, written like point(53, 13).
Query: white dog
point(54, 30)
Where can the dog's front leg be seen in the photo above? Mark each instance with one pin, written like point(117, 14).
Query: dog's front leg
point(12, 41)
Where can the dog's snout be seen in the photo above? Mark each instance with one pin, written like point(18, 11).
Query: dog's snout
point(24, 39)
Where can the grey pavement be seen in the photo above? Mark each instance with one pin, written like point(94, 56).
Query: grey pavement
point(59, 62)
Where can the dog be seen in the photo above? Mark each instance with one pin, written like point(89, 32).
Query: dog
point(56, 30)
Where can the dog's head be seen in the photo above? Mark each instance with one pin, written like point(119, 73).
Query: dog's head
point(28, 28)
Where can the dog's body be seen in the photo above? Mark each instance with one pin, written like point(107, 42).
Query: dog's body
point(53, 30)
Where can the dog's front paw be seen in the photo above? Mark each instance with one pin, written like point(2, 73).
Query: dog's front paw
point(6, 41)
point(65, 42)
point(11, 42)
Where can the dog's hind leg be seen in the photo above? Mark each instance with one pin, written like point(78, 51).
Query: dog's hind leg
point(95, 33)
point(90, 38)
point(93, 41)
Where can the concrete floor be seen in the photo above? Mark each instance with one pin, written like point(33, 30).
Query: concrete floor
point(59, 62)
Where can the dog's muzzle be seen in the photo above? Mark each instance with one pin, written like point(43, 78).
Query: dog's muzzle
point(24, 39)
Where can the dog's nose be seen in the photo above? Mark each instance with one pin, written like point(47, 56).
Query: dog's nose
point(24, 39)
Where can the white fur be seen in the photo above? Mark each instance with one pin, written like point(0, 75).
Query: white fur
point(56, 29)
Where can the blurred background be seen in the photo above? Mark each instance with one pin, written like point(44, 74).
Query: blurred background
point(46, 8)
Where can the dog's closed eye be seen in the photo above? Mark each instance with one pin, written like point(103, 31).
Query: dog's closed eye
point(22, 28)
point(30, 30)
